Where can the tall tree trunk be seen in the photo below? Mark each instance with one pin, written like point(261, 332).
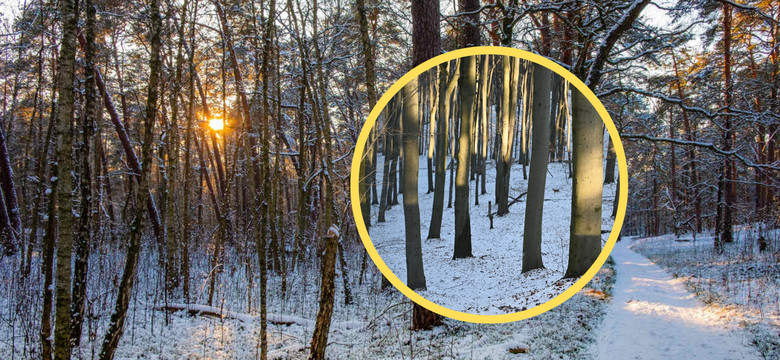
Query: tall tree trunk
point(10, 229)
point(47, 266)
point(504, 160)
point(689, 136)
point(467, 88)
point(384, 199)
point(528, 111)
point(323, 123)
point(415, 274)
point(426, 40)
point(172, 168)
point(116, 324)
point(611, 157)
point(64, 196)
point(532, 233)
point(327, 293)
point(467, 85)
point(587, 175)
point(185, 250)
point(82, 245)
point(726, 184)
point(11, 244)
point(367, 165)
point(445, 91)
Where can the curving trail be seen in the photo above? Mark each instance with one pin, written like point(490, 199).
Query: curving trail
point(653, 316)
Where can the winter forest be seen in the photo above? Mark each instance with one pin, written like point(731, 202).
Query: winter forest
point(493, 93)
point(175, 176)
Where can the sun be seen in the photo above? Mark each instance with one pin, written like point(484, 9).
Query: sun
point(217, 124)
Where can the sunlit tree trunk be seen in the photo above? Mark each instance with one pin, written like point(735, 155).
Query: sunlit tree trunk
point(504, 159)
point(445, 91)
point(587, 175)
point(469, 34)
point(467, 85)
point(415, 274)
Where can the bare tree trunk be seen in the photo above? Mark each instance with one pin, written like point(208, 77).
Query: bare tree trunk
point(467, 85)
point(185, 245)
point(12, 242)
point(587, 174)
point(384, 201)
point(532, 233)
point(415, 273)
point(726, 182)
point(367, 165)
point(611, 158)
point(83, 238)
point(64, 178)
point(434, 231)
point(327, 293)
point(10, 235)
point(116, 324)
point(504, 160)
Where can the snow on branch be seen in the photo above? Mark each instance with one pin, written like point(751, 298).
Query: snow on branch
point(696, 109)
point(625, 22)
point(708, 146)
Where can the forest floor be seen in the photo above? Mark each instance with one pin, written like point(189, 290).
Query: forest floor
point(490, 282)
point(375, 326)
point(653, 316)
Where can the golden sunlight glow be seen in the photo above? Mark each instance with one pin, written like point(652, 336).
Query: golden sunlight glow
point(217, 124)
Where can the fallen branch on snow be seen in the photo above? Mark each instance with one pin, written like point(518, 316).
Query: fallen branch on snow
point(511, 203)
point(276, 319)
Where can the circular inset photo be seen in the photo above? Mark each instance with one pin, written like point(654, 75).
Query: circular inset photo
point(484, 184)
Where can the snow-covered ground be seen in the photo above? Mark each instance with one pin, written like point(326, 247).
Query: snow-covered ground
point(375, 326)
point(742, 280)
point(653, 316)
point(491, 281)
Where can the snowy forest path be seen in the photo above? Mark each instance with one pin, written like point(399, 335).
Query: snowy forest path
point(653, 316)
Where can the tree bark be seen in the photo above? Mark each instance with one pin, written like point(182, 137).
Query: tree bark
point(327, 293)
point(725, 184)
point(532, 233)
point(367, 162)
point(116, 324)
point(64, 177)
point(504, 160)
point(467, 85)
point(83, 238)
point(415, 273)
point(587, 174)
point(611, 159)
point(434, 231)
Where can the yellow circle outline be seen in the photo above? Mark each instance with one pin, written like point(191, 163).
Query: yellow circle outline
point(360, 148)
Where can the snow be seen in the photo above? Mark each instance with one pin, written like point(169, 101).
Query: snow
point(375, 326)
point(490, 282)
point(333, 232)
point(653, 316)
point(742, 279)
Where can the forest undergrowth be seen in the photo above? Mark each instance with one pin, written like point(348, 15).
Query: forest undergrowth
point(375, 325)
